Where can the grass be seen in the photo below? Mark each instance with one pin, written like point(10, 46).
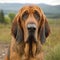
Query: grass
point(5, 35)
point(52, 45)
point(54, 53)
point(54, 37)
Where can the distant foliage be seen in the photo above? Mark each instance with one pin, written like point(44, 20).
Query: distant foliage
point(1, 16)
point(11, 15)
point(7, 20)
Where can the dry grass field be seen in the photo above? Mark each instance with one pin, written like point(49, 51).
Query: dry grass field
point(51, 47)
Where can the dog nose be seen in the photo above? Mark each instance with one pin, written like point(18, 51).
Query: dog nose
point(31, 27)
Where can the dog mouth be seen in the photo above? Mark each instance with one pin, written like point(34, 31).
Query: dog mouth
point(31, 38)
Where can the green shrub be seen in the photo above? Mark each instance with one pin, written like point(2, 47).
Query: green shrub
point(11, 15)
point(7, 20)
point(54, 54)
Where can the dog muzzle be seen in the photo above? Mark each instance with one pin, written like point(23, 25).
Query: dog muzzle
point(31, 28)
point(31, 40)
point(31, 32)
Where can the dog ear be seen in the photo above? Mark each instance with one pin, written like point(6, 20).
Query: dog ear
point(16, 30)
point(44, 30)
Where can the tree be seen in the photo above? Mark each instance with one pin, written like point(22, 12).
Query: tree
point(11, 15)
point(7, 19)
point(1, 16)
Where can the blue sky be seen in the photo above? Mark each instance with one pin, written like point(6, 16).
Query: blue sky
point(50, 2)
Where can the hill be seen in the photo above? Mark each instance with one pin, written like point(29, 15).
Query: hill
point(49, 10)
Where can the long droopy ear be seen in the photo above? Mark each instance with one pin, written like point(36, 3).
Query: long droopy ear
point(17, 30)
point(44, 30)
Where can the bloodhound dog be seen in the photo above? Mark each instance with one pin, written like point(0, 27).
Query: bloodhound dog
point(29, 30)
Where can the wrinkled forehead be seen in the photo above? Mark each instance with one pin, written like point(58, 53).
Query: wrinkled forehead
point(30, 8)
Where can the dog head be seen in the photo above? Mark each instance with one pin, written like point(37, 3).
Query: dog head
point(30, 21)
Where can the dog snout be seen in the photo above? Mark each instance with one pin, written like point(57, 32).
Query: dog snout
point(31, 27)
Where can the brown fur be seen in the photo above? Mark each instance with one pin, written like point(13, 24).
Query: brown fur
point(19, 49)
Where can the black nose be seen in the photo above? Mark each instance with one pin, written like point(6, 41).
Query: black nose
point(31, 27)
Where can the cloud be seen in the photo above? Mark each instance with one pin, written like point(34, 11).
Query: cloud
point(51, 2)
point(55, 2)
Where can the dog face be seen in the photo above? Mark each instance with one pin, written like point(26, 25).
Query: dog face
point(30, 26)
point(30, 20)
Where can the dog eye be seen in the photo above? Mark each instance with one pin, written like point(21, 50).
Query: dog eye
point(36, 15)
point(25, 15)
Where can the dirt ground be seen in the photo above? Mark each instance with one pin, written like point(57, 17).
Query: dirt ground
point(3, 50)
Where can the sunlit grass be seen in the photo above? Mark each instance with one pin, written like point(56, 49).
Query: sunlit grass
point(5, 34)
point(52, 45)
point(54, 53)
point(54, 37)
